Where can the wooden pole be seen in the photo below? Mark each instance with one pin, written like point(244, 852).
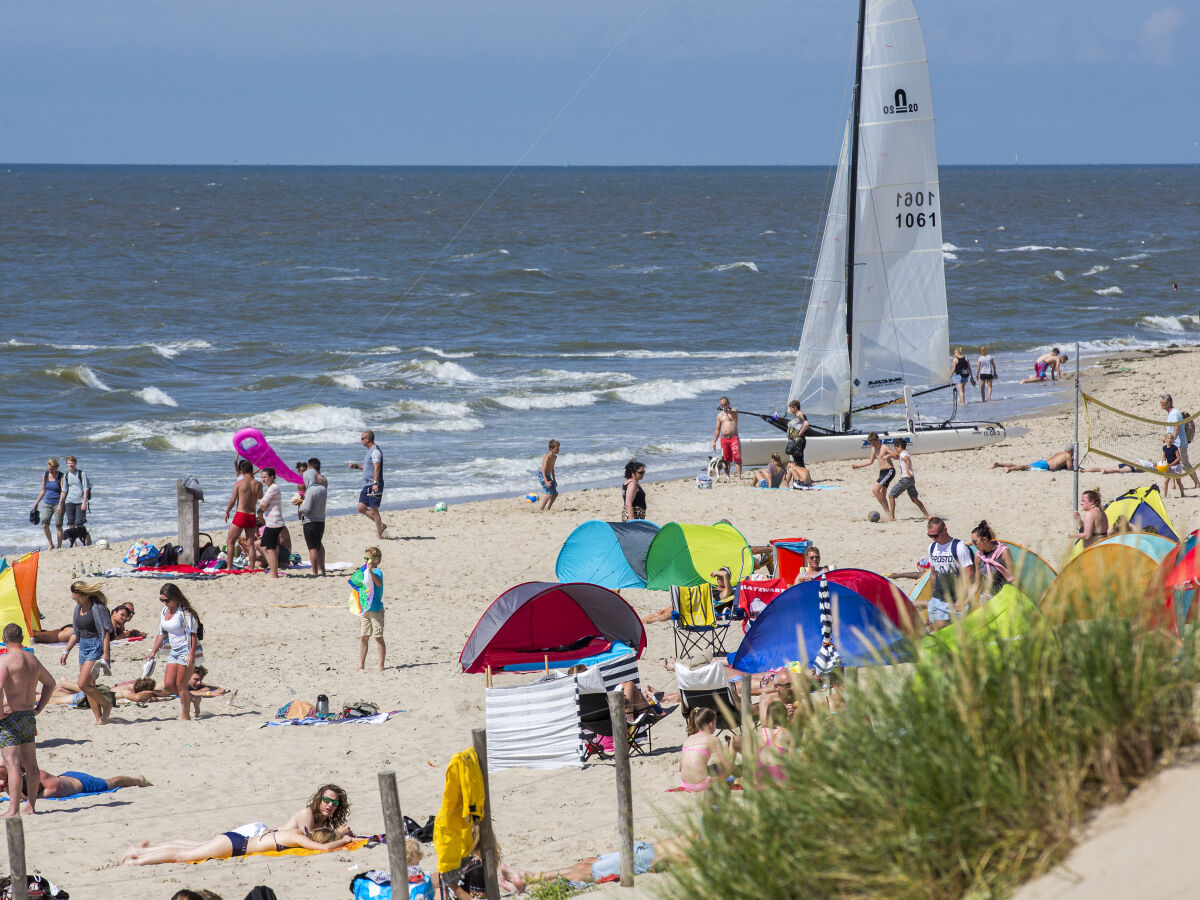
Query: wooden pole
point(749, 754)
point(188, 508)
point(620, 729)
point(393, 826)
point(487, 839)
point(16, 858)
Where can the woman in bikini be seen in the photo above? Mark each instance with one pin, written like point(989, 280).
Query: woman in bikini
point(702, 755)
point(231, 844)
point(774, 740)
point(995, 564)
point(329, 807)
point(1093, 525)
point(773, 475)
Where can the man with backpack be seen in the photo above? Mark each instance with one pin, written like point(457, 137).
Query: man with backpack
point(73, 504)
point(1177, 438)
point(953, 569)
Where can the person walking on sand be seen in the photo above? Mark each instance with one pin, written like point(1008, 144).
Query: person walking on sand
point(985, 373)
point(246, 491)
point(961, 374)
point(1177, 438)
point(73, 504)
point(312, 515)
point(883, 456)
point(633, 505)
point(905, 483)
point(546, 476)
point(371, 601)
point(181, 627)
point(271, 506)
point(372, 492)
point(47, 501)
point(92, 629)
point(727, 432)
point(953, 569)
point(20, 674)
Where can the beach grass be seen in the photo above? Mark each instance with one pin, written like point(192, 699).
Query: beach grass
point(965, 779)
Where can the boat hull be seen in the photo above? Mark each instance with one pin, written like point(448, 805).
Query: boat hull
point(853, 445)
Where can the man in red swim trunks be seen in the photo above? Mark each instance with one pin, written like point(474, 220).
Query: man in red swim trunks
point(727, 432)
point(246, 493)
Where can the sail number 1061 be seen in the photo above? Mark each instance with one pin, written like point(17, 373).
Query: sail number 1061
point(917, 202)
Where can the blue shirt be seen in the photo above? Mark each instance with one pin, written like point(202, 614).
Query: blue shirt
point(375, 590)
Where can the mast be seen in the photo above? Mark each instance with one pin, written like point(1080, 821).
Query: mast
point(852, 196)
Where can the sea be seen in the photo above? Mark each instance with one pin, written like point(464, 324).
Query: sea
point(469, 315)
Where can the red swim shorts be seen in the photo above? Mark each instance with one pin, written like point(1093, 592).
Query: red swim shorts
point(244, 520)
point(731, 449)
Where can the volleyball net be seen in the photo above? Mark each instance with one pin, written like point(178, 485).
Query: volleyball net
point(1136, 442)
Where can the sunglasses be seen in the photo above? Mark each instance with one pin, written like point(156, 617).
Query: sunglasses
point(332, 801)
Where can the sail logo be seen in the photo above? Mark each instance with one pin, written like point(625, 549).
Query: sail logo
point(881, 381)
point(899, 104)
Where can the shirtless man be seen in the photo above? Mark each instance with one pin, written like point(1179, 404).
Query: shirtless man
point(727, 432)
point(1047, 364)
point(883, 455)
point(68, 784)
point(1063, 460)
point(20, 674)
point(246, 493)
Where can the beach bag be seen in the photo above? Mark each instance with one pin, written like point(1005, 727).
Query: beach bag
point(704, 482)
point(136, 550)
point(35, 516)
point(168, 555)
point(377, 885)
point(149, 559)
point(208, 552)
point(360, 709)
point(36, 886)
point(1189, 429)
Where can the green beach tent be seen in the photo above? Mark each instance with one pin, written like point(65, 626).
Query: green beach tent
point(686, 555)
point(1007, 615)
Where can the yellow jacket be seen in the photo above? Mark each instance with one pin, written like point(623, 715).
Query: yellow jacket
point(462, 804)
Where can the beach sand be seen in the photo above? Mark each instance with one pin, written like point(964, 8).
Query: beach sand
point(292, 638)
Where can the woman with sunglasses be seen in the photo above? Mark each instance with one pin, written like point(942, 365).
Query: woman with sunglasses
point(91, 629)
point(327, 808)
point(181, 627)
point(634, 506)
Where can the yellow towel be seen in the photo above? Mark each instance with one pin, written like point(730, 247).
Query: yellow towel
point(299, 851)
point(462, 804)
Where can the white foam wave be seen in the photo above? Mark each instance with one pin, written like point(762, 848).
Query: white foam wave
point(679, 354)
point(949, 257)
point(81, 375)
point(1033, 248)
point(354, 278)
point(480, 254)
point(348, 381)
point(445, 354)
point(429, 408)
point(948, 247)
point(679, 448)
point(597, 379)
point(155, 397)
point(1095, 270)
point(13, 342)
point(309, 418)
point(1059, 275)
point(658, 232)
point(1169, 324)
point(442, 371)
point(741, 266)
point(652, 393)
point(467, 424)
point(174, 348)
point(561, 400)
point(1131, 257)
point(1112, 291)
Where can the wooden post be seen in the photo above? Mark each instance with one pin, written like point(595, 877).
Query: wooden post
point(749, 756)
point(620, 729)
point(189, 524)
point(487, 837)
point(393, 826)
point(16, 858)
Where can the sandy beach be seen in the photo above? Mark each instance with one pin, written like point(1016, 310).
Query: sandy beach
point(280, 640)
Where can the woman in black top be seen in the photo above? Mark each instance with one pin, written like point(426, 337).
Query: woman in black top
point(634, 506)
point(92, 630)
point(962, 374)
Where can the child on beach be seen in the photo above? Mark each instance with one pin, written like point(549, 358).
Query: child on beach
point(905, 483)
point(420, 884)
point(371, 601)
point(546, 476)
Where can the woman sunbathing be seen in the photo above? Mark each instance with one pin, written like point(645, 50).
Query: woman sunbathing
point(329, 807)
point(120, 618)
point(230, 844)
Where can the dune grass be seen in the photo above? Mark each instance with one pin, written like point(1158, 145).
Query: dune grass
point(964, 779)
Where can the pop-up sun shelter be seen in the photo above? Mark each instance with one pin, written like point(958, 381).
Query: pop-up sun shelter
point(541, 623)
point(862, 632)
point(1007, 615)
point(18, 595)
point(1177, 583)
point(882, 594)
point(610, 554)
point(1141, 508)
point(686, 555)
point(1110, 577)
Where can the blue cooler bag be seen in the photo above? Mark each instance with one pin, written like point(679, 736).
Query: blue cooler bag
point(363, 887)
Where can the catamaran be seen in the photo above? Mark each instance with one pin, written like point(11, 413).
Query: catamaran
point(876, 319)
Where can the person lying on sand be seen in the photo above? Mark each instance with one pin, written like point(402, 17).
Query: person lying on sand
point(329, 807)
point(120, 618)
point(68, 784)
point(230, 844)
point(647, 857)
point(1058, 462)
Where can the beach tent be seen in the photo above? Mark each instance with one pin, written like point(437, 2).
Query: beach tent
point(789, 556)
point(686, 555)
point(1142, 508)
point(1031, 574)
point(1177, 583)
point(1008, 614)
point(1111, 577)
point(18, 595)
point(882, 594)
point(541, 623)
point(789, 630)
point(610, 554)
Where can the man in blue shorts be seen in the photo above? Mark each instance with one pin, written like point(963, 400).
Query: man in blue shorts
point(372, 491)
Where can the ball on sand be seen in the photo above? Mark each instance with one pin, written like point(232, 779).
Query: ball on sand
point(441, 507)
point(873, 515)
point(102, 544)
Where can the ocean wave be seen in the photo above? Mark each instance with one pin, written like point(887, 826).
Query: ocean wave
point(560, 400)
point(657, 233)
point(354, 278)
point(438, 408)
point(444, 354)
point(480, 254)
point(155, 397)
point(948, 247)
point(674, 448)
point(174, 348)
point(348, 381)
point(1059, 275)
point(13, 342)
point(80, 375)
point(593, 379)
point(679, 354)
point(467, 424)
point(1169, 324)
point(653, 393)
point(948, 257)
point(1131, 257)
point(636, 270)
point(1096, 270)
point(439, 371)
point(768, 231)
point(1033, 248)
point(1112, 291)
point(741, 266)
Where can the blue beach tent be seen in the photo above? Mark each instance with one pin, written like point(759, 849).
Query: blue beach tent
point(610, 554)
point(862, 632)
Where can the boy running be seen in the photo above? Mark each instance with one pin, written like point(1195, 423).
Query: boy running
point(905, 483)
point(883, 455)
point(546, 476)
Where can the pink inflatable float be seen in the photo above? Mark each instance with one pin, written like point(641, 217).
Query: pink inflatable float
point(250, 444)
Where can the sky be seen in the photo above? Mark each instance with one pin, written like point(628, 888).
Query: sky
point(563, 82)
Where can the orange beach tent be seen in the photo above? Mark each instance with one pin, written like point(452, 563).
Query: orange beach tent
point(18, 595)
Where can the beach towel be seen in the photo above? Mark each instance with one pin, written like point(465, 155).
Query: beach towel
point(299, 851)
point(314, 720)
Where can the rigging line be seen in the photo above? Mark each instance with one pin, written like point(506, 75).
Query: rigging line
point(326, 379)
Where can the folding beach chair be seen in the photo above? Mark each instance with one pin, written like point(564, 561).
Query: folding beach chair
point(695, 622)
point(754, 595)
point(595, 722)
point(707, 687)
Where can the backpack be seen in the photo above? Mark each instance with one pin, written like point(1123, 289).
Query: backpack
point(168, 555)
point(1189, 428)
point(360, 709)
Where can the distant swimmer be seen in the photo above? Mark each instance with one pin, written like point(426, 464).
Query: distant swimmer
point(1048, 364)
point(1058, 462)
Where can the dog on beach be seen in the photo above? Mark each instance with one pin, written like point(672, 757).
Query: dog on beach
point(717, 466)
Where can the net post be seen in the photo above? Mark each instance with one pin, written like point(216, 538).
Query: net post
point(1077, 460)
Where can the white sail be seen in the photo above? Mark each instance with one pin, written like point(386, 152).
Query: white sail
point(821, 381)
point(899, 333)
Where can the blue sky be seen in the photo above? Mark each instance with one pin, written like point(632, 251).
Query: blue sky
point(622, 82)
